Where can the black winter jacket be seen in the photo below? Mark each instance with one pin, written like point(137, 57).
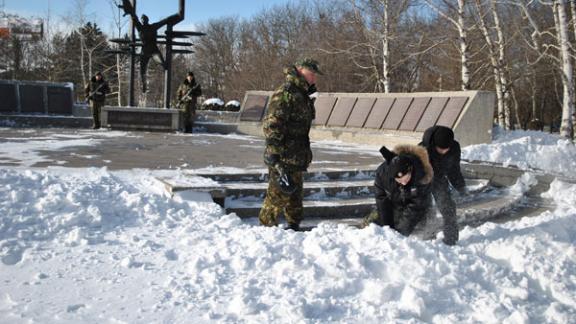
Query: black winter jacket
point(447, 165)
point(402, 207)
point(96, 90)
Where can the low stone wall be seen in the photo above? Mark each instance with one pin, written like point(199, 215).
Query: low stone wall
point(152, 119)
point(386, 119)
point(36, 97)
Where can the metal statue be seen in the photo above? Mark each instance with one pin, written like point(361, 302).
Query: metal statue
point(149, 36)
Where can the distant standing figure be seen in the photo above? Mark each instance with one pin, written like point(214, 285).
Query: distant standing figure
point(187, 94)
point(96, 91)
point(287, 154)
point(403, 189)
point(444, 153)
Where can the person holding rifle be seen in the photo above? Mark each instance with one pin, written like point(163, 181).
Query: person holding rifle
point(96, 91)
point(188, 93)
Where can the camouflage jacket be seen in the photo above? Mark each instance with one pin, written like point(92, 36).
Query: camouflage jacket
point(188, 91)
point(287, 123)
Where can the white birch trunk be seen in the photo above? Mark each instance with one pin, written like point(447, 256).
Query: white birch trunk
point(460, 25)
point(566, 126)
point(463, 46)
point(502, 66)
point(119, 77)
point(496, 68)
point(82, 67)
point(386, 48)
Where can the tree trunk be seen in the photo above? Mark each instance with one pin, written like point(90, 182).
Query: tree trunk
point(386, 48)
point(463, 46)
point(502, 66)
point(566, 127)
point(496, 62)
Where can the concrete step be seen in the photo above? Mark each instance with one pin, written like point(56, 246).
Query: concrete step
point(358, 207)
point(489, 207)
point(356, 185)
point(312, 175)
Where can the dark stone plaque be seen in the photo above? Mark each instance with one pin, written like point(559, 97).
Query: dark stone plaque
point(31, 99)
point(397, 113)
point(431, 113)
point(8, 102)
point(254, 108)
point(360, 112)
point(130, 118)
point(414, 114)
point(324, 106)
point(341, 111)
point(452, 111)
point(379, 112)
point(59, 100)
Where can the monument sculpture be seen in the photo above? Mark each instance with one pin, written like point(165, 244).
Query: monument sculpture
point(148, 41)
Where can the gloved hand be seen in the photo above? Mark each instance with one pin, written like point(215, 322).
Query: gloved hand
point(312, 92)
point(285, 181)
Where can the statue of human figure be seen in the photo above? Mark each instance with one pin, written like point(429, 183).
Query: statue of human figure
point(149, 37)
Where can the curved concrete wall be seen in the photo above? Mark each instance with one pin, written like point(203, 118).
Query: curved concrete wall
point(386, 119)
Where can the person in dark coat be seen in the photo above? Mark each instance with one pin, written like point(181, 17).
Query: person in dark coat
point(96, 92)
point(403, 188)
point(444, 153)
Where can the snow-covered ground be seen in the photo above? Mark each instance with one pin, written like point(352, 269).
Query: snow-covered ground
point(94, 246)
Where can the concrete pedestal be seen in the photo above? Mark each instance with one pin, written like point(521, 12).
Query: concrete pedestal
point(152, 119)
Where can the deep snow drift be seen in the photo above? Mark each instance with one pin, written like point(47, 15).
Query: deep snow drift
point(94, 246)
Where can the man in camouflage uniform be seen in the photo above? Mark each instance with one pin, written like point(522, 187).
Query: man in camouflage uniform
point(188, 93)
point(288, 154)
point(96, 92)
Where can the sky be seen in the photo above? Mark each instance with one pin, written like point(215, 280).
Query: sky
point(197, 11)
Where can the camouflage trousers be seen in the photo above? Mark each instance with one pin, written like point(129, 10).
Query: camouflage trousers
point(446, 207)
point(189, 114)
point(96, 108)
point(277, 202)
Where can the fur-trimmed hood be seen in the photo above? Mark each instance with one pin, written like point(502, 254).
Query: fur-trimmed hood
point(418, 152)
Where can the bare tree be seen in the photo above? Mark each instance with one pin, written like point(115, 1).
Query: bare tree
point(121, 61)
point(460, 24)
point(496, 47)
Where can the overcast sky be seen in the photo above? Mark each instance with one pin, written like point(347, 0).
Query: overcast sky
point(197, 11)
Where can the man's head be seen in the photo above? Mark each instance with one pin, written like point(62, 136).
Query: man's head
point(309, 69)
point(190, 76)
point(98, 76)
point(443, 139)
point(144, 19)
point(401, 168)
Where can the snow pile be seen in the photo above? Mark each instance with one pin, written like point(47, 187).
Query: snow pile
point(91, 245)
point(234, 103)
point(83, 245)
point(213, 101)
point(527, 150)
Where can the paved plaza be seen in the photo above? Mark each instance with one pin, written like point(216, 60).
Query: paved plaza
point(120, 150)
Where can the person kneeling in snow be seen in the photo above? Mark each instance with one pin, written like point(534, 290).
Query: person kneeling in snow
point(403, 188)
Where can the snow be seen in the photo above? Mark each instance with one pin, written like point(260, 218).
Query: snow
point(527, 150)
point(92, 245)
point(234, 103)
point(213, 101)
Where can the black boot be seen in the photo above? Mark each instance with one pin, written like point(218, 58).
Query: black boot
point(293, 226)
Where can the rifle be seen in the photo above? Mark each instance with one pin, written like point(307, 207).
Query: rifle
point(188, 94)
point(89, 96)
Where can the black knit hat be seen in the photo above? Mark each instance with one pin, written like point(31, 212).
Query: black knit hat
point(400, 165)
point(443, 137)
